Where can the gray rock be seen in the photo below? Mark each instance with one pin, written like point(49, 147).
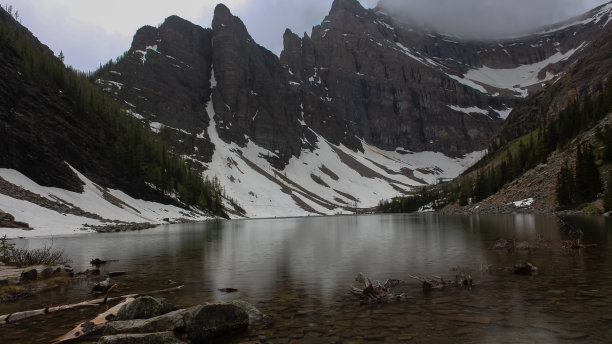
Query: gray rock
point(146, 338)
point(144, 307)
point(29, 275)
point(198, 323)
point(256, 317)
point(47, 272)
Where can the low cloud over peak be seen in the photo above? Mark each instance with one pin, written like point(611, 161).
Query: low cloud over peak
point(486, 19)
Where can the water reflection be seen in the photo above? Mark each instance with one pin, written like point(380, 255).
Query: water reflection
point(300, 269)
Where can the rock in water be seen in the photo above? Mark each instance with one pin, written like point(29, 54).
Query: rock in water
point(197, 324)
point(144, 307)
point(525, 269)
point(146, 338)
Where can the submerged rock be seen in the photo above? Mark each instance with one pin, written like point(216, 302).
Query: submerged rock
point(146, 338)
point(525, 269)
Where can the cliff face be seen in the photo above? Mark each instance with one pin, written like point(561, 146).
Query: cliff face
point(362, 83)
point(252, 99)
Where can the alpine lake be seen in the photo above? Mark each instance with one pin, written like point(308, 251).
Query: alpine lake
point(299, 271)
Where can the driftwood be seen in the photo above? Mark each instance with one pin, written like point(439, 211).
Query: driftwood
point(95, 324)
point(13, 317)
point(385, 292)
point(374, 293)
point(461, 280)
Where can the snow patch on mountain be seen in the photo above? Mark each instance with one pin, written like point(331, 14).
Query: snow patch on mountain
point(113, 205)
point(469, 110)
point(519, 78)
point(330, 179)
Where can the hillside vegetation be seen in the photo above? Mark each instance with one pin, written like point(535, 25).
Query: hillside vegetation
point(580, 137)
point(51, 115)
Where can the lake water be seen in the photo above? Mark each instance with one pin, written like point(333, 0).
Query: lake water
point(300, 270)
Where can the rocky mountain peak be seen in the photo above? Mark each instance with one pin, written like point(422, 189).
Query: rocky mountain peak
point(224, 20)
point(143, 37)
point(352, 6)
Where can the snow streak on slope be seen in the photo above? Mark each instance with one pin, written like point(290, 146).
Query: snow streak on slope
point(519, 78)
point(330, 179)
point(113, 205)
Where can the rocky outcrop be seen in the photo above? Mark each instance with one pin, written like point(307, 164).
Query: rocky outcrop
point(252, 99)
point(164, 78)
point(193, 325)
point(8, 221)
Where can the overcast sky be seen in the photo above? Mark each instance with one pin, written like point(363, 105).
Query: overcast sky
point(91, 32)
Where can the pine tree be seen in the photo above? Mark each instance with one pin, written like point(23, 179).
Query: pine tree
point(588, 180)
point(565, 186)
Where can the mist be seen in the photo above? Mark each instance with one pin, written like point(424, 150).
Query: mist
point(486, 19)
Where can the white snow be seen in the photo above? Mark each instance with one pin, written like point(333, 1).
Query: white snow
point(143, 58)
point(519, 78)
point(523, 203)
point(135, 115)
point(469, 110)
point(468, 83)
point(156, 126)
point(426, 61)
point(50, 223)
point(264, 191)
point(503, 113)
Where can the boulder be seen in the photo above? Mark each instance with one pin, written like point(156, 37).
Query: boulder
point(196, 324)
point(146, 338)
point(29, 275)
point(525, 269)
point(256, 317)
point(47, 272)
point(144, 307)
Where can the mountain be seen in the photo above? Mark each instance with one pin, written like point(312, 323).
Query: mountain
point(557, 139)
point(367, 107)
point(582, 78)
point(70, 152)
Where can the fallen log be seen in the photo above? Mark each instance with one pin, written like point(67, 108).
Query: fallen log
point(13, 317)
point(95, 324)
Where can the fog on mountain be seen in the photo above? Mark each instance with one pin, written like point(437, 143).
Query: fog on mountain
point(485, 19)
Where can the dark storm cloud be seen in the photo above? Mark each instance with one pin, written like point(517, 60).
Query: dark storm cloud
point(487, 18)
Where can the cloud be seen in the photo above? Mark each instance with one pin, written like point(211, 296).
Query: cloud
point(487, 18)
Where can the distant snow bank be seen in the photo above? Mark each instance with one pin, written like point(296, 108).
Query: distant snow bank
point(94, 199)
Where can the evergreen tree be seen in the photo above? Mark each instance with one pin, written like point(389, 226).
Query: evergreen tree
point(588, 179)
point(565, 186)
